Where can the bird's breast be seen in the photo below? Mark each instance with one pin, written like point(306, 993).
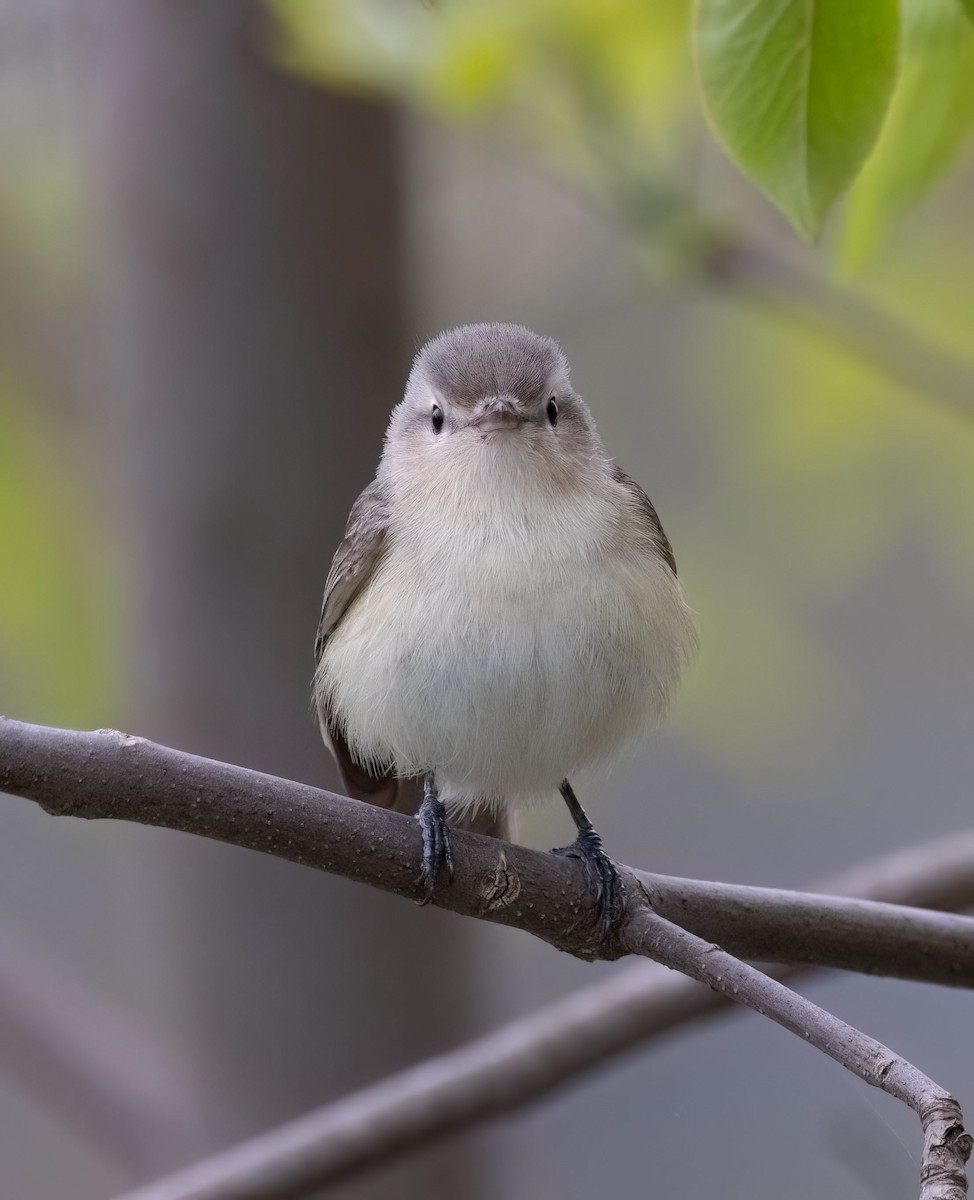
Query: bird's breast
point(505, 646)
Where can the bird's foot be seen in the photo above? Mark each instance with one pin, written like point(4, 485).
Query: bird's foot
point(437, 851)
point(610, 891)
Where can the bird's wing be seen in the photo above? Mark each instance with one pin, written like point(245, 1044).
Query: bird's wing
point(648, 512)
point(355, 561)
point(356, 558)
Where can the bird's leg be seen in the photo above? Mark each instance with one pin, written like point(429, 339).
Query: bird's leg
point(610, 892)
point(437, 852)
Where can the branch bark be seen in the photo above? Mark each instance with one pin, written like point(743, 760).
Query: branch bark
point(108, 774)
point(526, 1059)
point(820, 929)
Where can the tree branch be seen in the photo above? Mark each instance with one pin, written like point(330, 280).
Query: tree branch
point(110, 775)
point(872, 937)
point(776, 285)
point(501, 1072)
point(521, 1062)
point(507, 1070)
point(946, 1146)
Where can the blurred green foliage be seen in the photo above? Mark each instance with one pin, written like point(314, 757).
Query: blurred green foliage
point(796, 90)
point(60, 587)
point(929, 119)
point(58, 595)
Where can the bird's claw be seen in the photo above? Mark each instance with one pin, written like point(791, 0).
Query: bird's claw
point(437, 850)
point(610, 891)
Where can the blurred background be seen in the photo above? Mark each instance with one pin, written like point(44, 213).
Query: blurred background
point(224, 231)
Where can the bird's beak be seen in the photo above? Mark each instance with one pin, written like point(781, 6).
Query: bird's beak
point(495, 414)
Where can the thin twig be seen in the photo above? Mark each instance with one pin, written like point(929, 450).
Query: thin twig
point(946, 1147)
point(776, 285)
point(502, 1072)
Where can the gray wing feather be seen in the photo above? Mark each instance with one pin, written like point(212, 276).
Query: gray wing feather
point(645, 506)
point(355, 560)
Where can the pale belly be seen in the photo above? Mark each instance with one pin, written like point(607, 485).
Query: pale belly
point(504, 682)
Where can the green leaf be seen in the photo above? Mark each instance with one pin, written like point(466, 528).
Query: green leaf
point(930, 118)
point(968, 6)
point(797, 91)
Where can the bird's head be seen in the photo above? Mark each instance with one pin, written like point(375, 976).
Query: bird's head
point(492, 392)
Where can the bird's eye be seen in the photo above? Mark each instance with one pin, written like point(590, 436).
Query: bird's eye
point(437, 418)
point(552, 411)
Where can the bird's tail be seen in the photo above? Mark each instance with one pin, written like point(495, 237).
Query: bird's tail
point(406, 795)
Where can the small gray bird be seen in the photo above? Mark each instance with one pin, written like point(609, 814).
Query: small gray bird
point(504, 609)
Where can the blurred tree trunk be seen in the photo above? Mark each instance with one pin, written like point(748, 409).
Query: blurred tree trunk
point(251, 263)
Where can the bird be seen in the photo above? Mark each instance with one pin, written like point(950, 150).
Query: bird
point(504, 609)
